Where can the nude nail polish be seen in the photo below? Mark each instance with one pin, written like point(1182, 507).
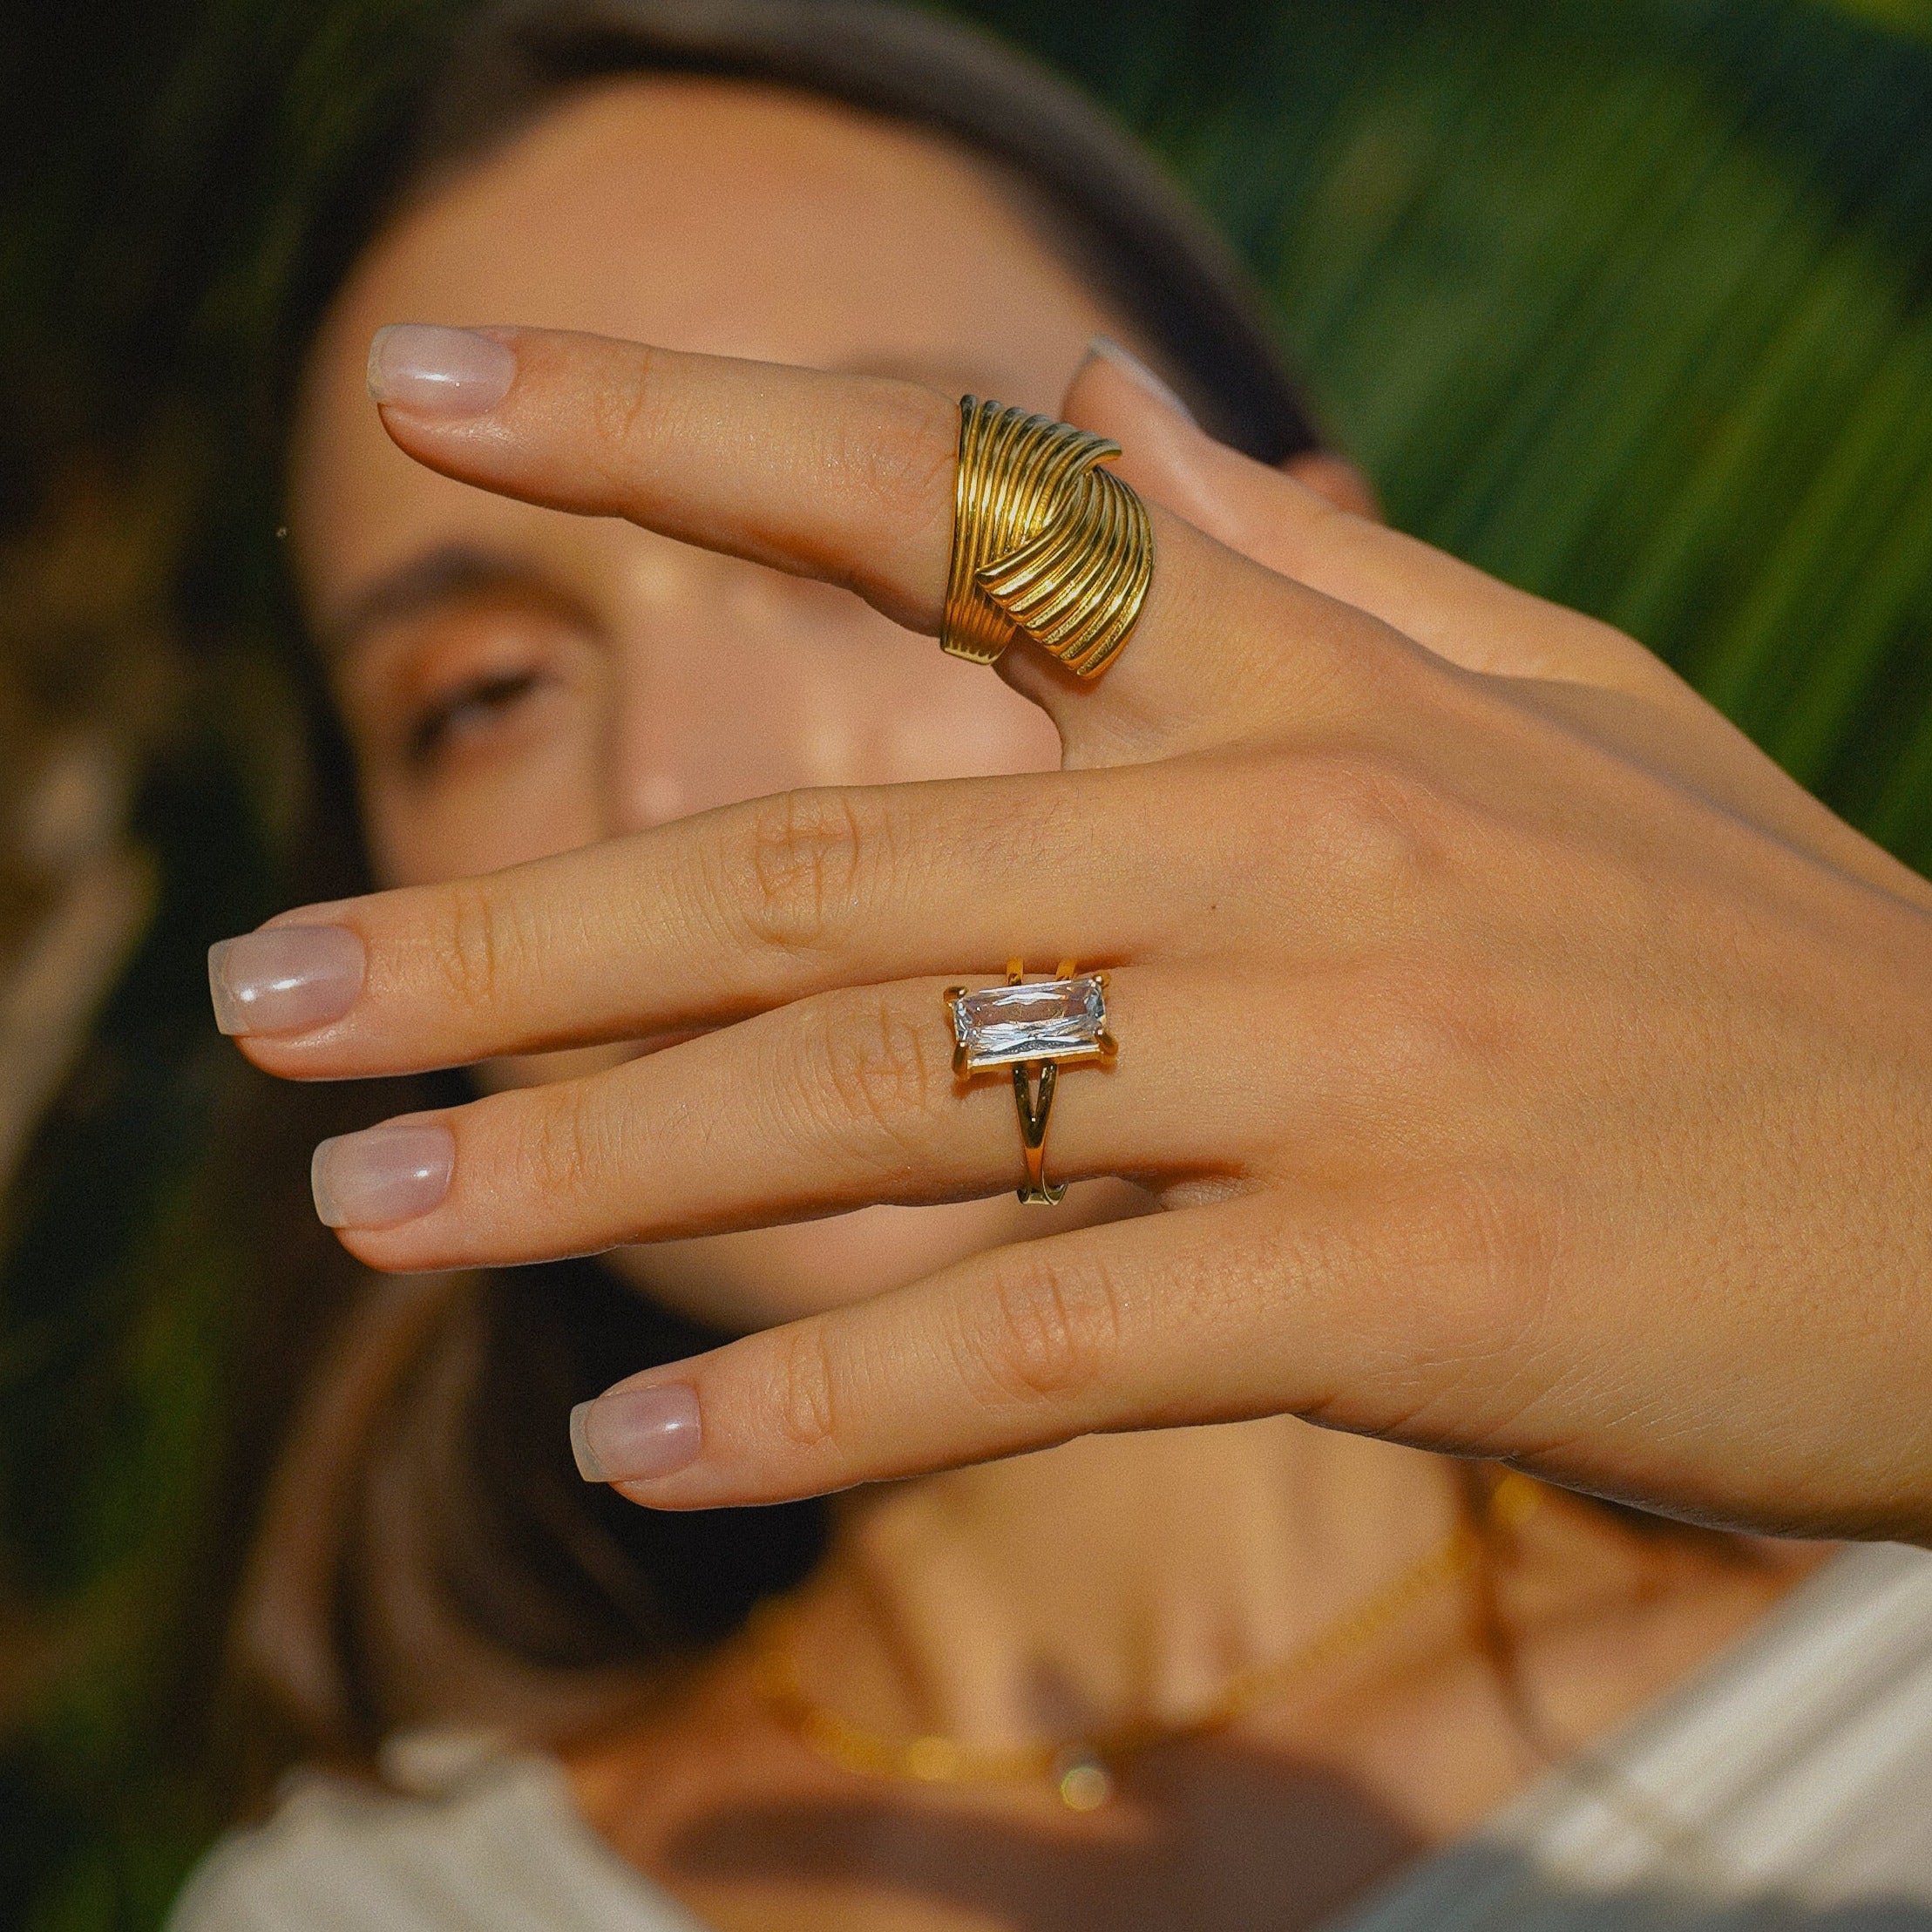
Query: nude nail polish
point(286, 978)
point(1138, 373)
point(384, 1175)
point(636, 1434)
point(439, 372)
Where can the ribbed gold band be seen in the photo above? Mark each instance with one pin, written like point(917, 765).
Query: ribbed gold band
point(1044, 542)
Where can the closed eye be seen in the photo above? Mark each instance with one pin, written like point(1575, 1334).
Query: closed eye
point(467, 710)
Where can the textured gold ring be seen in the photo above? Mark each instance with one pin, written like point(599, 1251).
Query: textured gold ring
point(1035, 1028)
point(1045, 542)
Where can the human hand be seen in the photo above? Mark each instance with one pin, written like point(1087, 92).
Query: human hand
point(1530, 1069)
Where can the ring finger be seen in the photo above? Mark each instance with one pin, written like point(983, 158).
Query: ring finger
point(845, 1099)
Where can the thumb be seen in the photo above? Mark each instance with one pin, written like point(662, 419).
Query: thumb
point(1589, 675)
point(1447, 606)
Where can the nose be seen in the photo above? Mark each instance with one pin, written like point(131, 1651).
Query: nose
point(726, 690)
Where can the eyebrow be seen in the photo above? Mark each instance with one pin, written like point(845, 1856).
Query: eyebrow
point(443, 575)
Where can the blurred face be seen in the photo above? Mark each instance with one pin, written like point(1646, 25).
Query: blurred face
point(515, 682)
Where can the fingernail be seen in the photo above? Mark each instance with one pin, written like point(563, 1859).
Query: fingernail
point(285, 979)
point(442, 371)
point(635, 1434)
point(1138, 373)
point(382, 1176)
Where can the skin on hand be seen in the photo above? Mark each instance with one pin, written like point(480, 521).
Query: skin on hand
point(1527, 1065)
point(1523, 1081)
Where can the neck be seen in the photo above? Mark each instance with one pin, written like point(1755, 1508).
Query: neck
point(1114, 1578)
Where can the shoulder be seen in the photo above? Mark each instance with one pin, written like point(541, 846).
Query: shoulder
point(500, 1847)
point(1785, 1789)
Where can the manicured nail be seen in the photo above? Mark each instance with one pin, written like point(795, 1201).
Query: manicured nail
point(382, 1176)
point(1138, 373)
point(635, 1434)
point(285, 979)
point(440, 371)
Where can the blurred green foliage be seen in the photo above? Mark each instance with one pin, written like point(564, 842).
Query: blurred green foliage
point(1624, 300)
point(1901, 16)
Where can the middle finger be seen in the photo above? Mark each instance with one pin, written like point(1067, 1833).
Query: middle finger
point(709, 919)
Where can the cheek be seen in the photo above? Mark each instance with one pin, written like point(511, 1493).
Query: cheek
point(544, 800)
point(747, 711)
point(966, 723)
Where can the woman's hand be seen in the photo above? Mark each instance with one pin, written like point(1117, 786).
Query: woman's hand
point(1530, 1070)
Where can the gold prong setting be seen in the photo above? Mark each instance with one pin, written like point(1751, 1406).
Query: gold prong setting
point(1034, 1028)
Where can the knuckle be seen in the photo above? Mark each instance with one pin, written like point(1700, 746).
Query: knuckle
point(810, 854)
point(560, 1152)
point(803, 1396)
point(1499, 1244)
point(473, 948)
point(875, 1066)
point(1499, 1225)
point(1045, 1333)
point(899, 460)
point(1421, 1020)
point(1382, 821)
point(620, 412)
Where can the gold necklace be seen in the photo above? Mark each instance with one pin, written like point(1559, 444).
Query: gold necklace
point(1083, 1771)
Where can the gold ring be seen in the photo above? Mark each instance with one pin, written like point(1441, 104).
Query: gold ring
point(1035, 1027)
point(1045, 542)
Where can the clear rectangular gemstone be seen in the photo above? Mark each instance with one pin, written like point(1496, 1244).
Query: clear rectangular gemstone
point(1050, 1019)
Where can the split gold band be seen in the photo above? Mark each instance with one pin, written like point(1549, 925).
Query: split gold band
point(1035, 1027)
point(1045, 542)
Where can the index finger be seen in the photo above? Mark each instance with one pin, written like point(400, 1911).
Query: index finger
point(848, 478)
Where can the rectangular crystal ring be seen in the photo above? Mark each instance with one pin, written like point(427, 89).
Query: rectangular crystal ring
point(1061, 1021)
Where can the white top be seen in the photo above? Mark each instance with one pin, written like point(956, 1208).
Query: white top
point(1786, 1789)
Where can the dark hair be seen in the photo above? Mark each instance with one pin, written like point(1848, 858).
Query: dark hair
point(425, 1551)
point(1109, 203)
